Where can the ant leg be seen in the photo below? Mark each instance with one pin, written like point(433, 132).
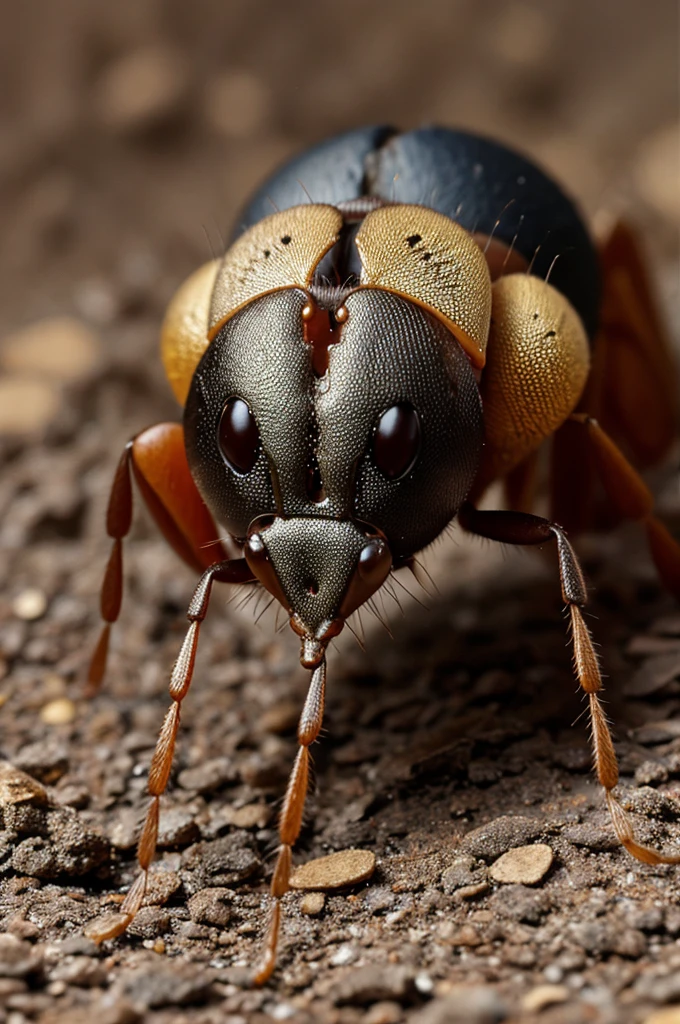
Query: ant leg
point(158, 460)
point(231, 571)
point(290, 821)
point(118, 522)
point(521, 528)
point(632, 499)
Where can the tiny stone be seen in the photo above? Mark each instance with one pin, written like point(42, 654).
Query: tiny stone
point(312, 903)
point(57, 348)
point(208, 776)
point(525, 865)
point(149, 923)
point(250, 816)
point(465, 1004)
point(466, 935)
point(378, 898)
point(17, 958)
point(343, 955)
point(544, 995)
point(83, 971)
point(670, 1015)
point(374, 983)
point(26, 404)
point(58, 712)
point(337, 870)
point(16, 787)
point(650, 773)
point(30, 604)
point(142, 88)
point(177, 827)
point(211, 906)
point(46, 761)
point(461, 873)
point(384, 1012)
point(469, 892)
point(491, 840)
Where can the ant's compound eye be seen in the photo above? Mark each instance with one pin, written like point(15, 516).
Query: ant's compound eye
point(396, 441)
point(238, 436)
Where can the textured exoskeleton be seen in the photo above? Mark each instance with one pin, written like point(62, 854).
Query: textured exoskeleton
point(417, 316)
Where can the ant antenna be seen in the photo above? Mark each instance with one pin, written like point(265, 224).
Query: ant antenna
point(304, 189)
point(498, 220)
point(536, 252)
point(512, 245)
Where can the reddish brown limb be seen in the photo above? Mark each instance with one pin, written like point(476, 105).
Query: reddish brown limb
point(519, 528)
point(230, 571)
point(290, 820)
point(118, 521)
point(631, 498)
point(158, 460)
point(631, 390)
point(638, 401)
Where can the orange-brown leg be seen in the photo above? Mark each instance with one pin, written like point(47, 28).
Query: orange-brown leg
point(290, 821)
point(638, 402)
point(158, 460)
point(632, 387)
point(631, 498)
point(229, 571)
point(519, 528)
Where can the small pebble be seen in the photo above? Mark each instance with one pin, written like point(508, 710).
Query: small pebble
point(671, 1015)
point(650, 773)
point(26, 404)
point(250, 816)
point(544, 995)
point(58, 712)
point(524, 865)
point(58, 348)
point(30, 604)
point(141, 89)
point(384, 1012)
point(312, 903)
point(16, 787)
point(337, 870)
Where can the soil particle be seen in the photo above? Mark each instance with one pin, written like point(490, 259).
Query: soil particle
point(211, 906)
point(141, 89)
point(524, 865)
point(539, 998)
point(369, 984)
point(45, 761)
point(520, 903)
point(17, 959)
point(336, 871)
point(156, 983)
point(221, 862)
point(81, 971)
point(208, 777)
point(493, 839)
point(466, 1005)
point(312, 903)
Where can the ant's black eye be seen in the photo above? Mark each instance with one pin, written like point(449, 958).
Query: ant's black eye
point(396, 441)
point(238, 436)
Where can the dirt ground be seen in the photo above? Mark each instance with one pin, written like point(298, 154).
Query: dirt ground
point(131, 135)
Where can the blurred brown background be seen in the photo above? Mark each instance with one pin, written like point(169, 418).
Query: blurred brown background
point(131, 131)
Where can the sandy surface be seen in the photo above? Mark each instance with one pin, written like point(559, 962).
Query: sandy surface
point(131, 135)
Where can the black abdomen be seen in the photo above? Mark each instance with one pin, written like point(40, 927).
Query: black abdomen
point(473, 180)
